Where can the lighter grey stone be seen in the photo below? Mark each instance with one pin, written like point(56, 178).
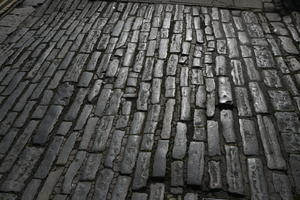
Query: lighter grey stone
point(180, 140)
point(257, 180)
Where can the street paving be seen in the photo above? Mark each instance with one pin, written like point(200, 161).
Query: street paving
point(108, 100)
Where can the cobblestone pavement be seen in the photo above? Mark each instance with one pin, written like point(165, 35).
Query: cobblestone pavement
point(149, 101)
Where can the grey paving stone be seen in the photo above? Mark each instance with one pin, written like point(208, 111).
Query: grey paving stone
point(213, 138)
point(114, 148)
point(195, 167)
point(160, 159)
point(102, 133)
point(49, 158)
point(143, 96)
point(81, 191)
point(185, 104)
point(257, 179)
point(260, 104)
point(225, 94)
point(137, 123)
point(66, 149)
point(288, 121)
point(31, 189)
point(242, 101)
point(91, 167)
point(282, 185)
point(234, 171)
point(13, 154)
point(103, 182)
point(141, 174)
point(121, 189)
point(72, 171)
point(157, 191)
point(248, 133)
point(281, 100)
point(180, 141)
point(49, 184)
point(177, 173)
point(227, 124)
point(139, 196)
point(20, 173)
point(214, 171)
point(270, 142)
point(264, 57)
point(47, 125)
point(130, 154)
point(75, 106)
point(288, 45)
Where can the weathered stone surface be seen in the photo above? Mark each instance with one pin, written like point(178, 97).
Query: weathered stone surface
point(49, 184)
point(91, 167)
point(157, 191)
point(143, 96)
point(89, 131)
point(47, 125)
point(160, 159)
point(101, 87)
point(66, 149)
point(121, 189)
point(72, 171)
point(137, 123)
point(270, 142)
point(141, 174)
point(102, 133)
point(260, 104)
point(177, 173)
point(282, 185)
point(227, 124)
point(264, 57)
point(49, 157)
point(167, 121)
point(281, 100)
point(225, 94)
point(179, 148)
point(242, 101)
point(213, 138)
point(81, 191)
point(288, 45)
point(291, 142)
point(19, 174)
point(214, 171)
point(248, 133)
point(103, 182)
point(130, 154)
point(257, 179)
point(195, 167)
point(114, 148)
point(185, 104)
point(234, 171)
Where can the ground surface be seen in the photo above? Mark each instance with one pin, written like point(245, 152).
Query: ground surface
point(140, 101)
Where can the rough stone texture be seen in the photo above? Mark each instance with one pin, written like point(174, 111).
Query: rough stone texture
point(118, 100)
